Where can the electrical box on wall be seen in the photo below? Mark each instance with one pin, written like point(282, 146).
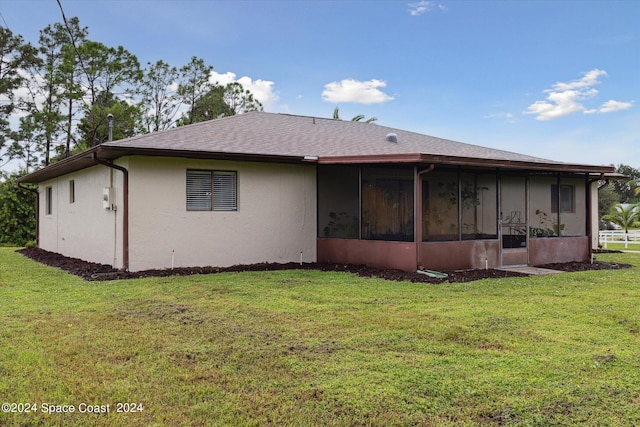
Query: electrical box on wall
point(108, 198)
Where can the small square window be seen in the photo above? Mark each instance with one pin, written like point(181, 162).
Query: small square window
point(211, 190)
point(566, 198)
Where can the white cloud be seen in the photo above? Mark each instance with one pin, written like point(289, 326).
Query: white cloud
point(559, 104)
point(222, 79)
point(424, 6)
point(566, 98)
point(262, 90)
point(611, 106)
point(350, 90)
point(509, 117)
point(590, 79)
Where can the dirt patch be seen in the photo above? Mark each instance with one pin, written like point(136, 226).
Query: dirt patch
point(94, 271)
point(604, 357)
point(161, 311)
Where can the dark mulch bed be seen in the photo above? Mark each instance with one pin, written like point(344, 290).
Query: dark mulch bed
point(94, 271)
point(606, 251)
point(584, 266)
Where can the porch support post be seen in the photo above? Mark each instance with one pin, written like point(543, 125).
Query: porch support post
point(459, 205)
point(499, 215)
point(419, 213)
point(588, 214)
point(527, 216)
point(558, 203)
point(416, 199)
point(359, 202)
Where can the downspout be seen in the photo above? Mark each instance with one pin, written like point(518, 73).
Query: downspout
point(125, 207)
point(600, 187)
point(37, 193)
point(419, 214)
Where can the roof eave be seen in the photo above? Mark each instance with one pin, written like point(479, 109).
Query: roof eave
point(466, 161)
point(109, 152)
point(74, 163)
point(113, 152)
point(607, 175)
point(85, 159)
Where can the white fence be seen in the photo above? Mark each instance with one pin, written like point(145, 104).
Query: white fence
point(619, 236)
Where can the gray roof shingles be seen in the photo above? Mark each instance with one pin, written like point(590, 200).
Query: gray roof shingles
point(298, 136)
point(260, 135)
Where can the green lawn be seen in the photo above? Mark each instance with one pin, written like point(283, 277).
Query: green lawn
point(620, 246)
point(311, 348)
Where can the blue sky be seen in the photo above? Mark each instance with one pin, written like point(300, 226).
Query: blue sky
point(554, 79)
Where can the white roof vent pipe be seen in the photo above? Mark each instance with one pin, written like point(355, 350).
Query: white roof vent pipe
point(392, 137)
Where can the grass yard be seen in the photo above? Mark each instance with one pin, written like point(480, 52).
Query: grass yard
point(311, 348)
point(620, 246)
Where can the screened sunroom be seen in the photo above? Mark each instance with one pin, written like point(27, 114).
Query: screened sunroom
point(448, 217)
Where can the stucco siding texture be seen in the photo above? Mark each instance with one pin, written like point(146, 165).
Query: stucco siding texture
point(275, 221)
point(563, 249)
point(373, 253)
point(471, 254)
point(83, 228)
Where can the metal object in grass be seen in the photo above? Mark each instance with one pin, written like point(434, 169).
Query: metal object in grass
point(431, 273)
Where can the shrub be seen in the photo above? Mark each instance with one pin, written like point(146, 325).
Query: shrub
point(17, 212)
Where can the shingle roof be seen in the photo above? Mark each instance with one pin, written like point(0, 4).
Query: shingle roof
point(284, 137)
point(289, 135)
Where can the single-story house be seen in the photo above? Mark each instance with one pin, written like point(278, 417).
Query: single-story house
point(263, 187)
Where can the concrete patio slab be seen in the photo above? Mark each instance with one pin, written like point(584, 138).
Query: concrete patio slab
point(533, 271)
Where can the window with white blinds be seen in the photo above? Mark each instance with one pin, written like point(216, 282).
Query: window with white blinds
point(211, 190)
point(224, 191)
